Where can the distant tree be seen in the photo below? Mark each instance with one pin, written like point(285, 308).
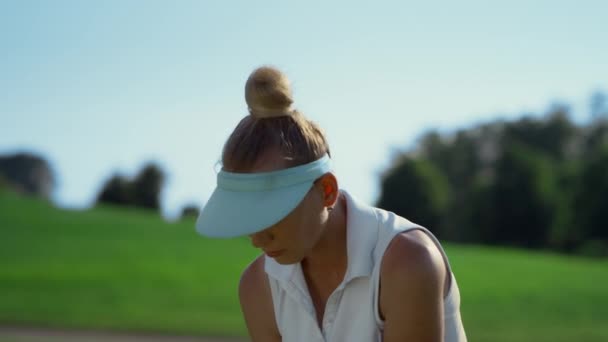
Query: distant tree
point(563, 237)
point(521, 199)
point(190, 211)
point(591, 199)
point(434, 147)
point(28, 173)
point(595, 137)
point(117, 190)
point(463, 157)
point(457, 157)
point(598, 106)
point(416, 190)
point(147, 187)
point(552, 135)
point(537, 182)
point(143, 192)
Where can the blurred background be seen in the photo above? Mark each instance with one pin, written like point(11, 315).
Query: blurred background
point(485, 122)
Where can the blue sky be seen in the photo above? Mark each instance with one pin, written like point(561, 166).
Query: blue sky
point(98, 87)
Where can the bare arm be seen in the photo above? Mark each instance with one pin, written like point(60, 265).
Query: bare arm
point(256, 303)
point(412, 281)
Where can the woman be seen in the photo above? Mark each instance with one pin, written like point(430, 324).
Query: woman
point(333, 268)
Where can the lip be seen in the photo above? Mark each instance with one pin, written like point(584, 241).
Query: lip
point(274, 254)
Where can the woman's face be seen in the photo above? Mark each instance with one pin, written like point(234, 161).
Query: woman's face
point(292, 239)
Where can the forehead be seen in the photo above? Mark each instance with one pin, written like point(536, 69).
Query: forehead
point(270, 160)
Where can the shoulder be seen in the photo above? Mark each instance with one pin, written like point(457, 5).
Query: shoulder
point(254, 289)
point(253, 278)
point(412, 251)
point(256, 302)
point(412, 265)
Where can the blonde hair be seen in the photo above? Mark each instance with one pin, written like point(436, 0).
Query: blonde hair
point(272, 123)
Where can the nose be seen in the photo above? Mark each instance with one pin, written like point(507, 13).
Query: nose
point(261, 239)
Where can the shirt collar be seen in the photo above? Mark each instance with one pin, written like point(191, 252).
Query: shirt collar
point(361, 238)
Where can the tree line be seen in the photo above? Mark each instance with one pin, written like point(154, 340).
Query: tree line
point(536, 182)
point(540, 181)
point(31, 174)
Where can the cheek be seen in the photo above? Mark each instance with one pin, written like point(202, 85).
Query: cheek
point(309, 230)
point(302, 229)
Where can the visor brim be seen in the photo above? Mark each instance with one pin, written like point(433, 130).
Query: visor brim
point(230, 214)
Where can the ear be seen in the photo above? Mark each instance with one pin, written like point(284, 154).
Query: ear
point(329, 187)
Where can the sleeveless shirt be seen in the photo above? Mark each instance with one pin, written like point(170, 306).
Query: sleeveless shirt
point(352, 311)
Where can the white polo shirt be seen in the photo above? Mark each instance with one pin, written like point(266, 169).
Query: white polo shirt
point(351, 313)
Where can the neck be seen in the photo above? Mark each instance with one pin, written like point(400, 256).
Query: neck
point(329, 254)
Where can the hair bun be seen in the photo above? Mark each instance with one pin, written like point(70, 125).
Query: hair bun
point(268, 93)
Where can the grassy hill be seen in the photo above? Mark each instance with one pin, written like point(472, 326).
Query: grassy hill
point(120, 269)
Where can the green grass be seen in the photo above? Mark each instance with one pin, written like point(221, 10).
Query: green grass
point(116, 269)
point(119, 269)
point(510, 295)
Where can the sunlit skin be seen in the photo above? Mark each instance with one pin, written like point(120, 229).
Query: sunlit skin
point(311, 233)
point(308, 232)
point(413, 274)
